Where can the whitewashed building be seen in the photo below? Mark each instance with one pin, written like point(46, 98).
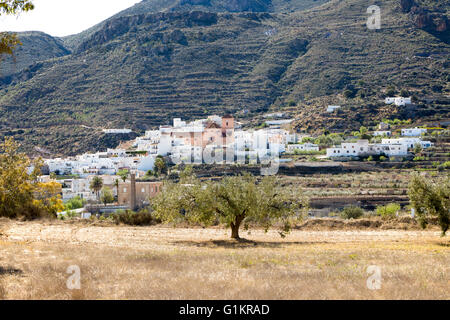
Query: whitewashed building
point(279, 122)
point(363, 148)
point(408, 142)
point(117, 131)
point(77, 188)
point(413, 132)
point(398, 101)
point(331, 109)
point(302, 147)
point(382, 133)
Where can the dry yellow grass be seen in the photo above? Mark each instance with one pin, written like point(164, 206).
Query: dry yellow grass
point(168, 263)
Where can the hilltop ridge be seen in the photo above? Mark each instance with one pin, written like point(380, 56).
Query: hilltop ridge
point(151, 63)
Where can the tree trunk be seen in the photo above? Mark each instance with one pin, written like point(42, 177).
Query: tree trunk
point(234, 231)
point(235, 227)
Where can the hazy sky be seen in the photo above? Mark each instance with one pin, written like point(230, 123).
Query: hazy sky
point(64, 17)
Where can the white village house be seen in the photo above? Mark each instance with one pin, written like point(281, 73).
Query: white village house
point(398, 101)
point(197, 141)
point(413, 132)
point(363, 148)
point(382, 133)
point(117, 131)
point(331, 109)
point(408, 142)
point(302, 147)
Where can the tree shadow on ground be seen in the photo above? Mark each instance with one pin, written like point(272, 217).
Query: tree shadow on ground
point(444, 244)
point(10, 271)
point(243, 243)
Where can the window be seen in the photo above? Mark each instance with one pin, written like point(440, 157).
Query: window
point(124, 189)
point(143, 190)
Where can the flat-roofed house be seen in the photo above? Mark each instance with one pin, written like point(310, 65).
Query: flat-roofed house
point(145, 191)
point(413, 132)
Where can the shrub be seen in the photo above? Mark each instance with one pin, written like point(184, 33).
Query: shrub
point(106, 196)
point(350, 93)
point(352, 212)
point(75, 203)
point(418, 148)
point(404, 93)
point(388, 211)
point(292, 103)
point(391, 91)
point(21, 195)
point(141, 218)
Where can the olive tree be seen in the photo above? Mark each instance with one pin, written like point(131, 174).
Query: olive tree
point(160, 166)
point(106, 196)
point(235, 201)
point(431, 198)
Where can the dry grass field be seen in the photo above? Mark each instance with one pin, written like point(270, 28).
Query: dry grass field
point(119, 262)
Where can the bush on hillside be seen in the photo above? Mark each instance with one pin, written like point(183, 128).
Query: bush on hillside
point(352, 212)
point(388, 211)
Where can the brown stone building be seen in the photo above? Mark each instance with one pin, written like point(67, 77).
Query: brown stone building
point(143, 192)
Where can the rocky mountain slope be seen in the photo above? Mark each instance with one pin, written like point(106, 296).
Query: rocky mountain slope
point(159, 60)
point(36, 46)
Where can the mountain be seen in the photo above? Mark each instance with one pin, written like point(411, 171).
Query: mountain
point(159, 60)
point(36, 46)
point(153, 6)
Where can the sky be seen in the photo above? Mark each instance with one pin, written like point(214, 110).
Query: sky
point(64, 17)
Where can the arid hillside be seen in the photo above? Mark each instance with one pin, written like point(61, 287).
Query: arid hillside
point(148, 64)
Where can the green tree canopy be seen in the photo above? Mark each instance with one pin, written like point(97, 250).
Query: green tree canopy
point(106, 196)
point(430, 198)
point(96, 185)
point(16, 185)
point(328, 140)
point(75, 203)
point(21, 194)
point(235, 201)
point(160, 166)
point(362, 133)
point(123, 174)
